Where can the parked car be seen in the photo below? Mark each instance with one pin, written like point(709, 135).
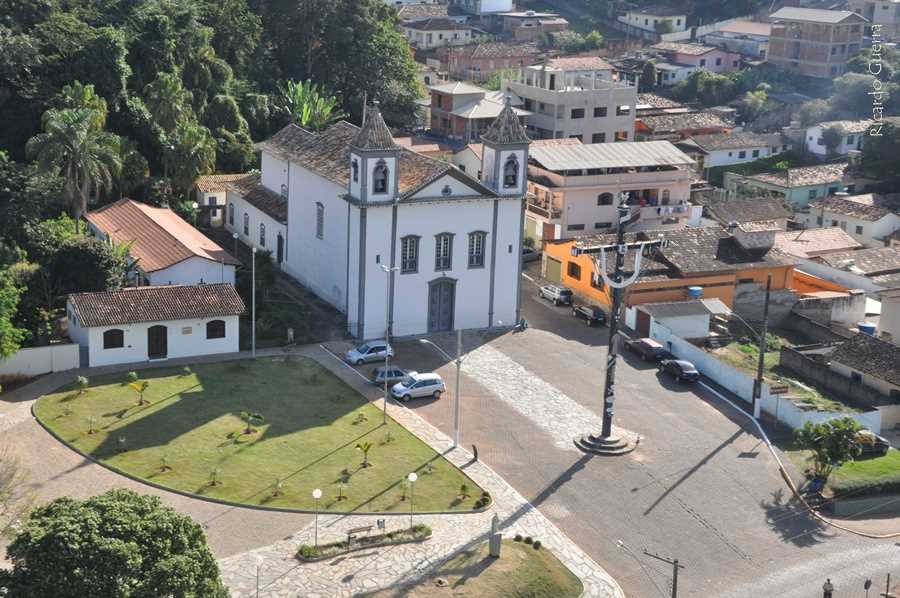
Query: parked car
point(391, 375)
point(556, 294)
point(682, 371)
point(647, 349)
point(590, 314)
point(370, 351)
point(872, 444)
point(530, 254)
point(417, 385)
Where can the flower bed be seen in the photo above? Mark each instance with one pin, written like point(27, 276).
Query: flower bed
point(416, 533)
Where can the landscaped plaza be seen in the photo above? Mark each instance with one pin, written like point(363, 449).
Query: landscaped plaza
point(264, 432)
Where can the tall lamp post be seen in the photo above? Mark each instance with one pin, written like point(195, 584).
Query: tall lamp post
point(317, 494)
point(761, 339)
point(253, 304)
point(458, 360)
point(389, 310)
point(606, 442)
point(412, 477)
point(235, 236)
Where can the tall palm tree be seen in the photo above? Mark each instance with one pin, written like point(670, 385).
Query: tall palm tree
point(308, 105)
point(193, 153)
point(73, 147)
point(78, 95)
point(168, 101)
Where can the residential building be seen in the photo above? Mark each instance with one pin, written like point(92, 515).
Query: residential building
point(870, 219)
point(720, 149)
point(797, 186)
point(484, 7)
point(576, 97)
point(711, 58)
point(853, 133)
point(684, 319)
point(872, 270)
point(809, 244)
point(651, 104)
point(436, 32)
point(479, 61)
point(138, 324)
point(359, 203)
point(728, 267)
point(165, 249)
point(870, 362)
point(749, 38)
point(889, 322)
point(750, 210)
point(210, 195)
point(656, 19)
point(409, 13)
point(814, 42)
point(469, 158)
point(883, 16)
point(258, 216)
point(672, 73)
point(675, 127)
point(528, 25)
point(573, 189)
point(463, 111)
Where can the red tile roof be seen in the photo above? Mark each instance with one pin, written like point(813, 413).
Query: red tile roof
point(155, 304)
point(213, 183)
point(159, 237)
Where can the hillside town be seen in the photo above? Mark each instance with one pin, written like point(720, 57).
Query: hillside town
point(536, 298)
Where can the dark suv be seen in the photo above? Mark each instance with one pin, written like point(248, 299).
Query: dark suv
point(682, 371)
point(647, 349)
point(590, 314)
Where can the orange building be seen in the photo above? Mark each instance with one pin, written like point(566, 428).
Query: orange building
point(710, 258)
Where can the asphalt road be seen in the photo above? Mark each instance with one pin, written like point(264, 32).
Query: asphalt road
point(701, 487)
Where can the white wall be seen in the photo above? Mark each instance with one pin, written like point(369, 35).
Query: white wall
point(274, 172)
point(648, 22)
point(216, 198)
point(813, 134)
point(728, 157)
point(496, 6)
point(179, 344)
point(40, 360)
point(889, 322)
point(684, 326)
point(841, 277)
point(257, 217)
point(872, 235)
point(194, 270)
point(467, 161)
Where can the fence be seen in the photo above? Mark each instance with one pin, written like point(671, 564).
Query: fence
point(40, 360)
point(781, 408)
point(815, 331)
point(819, 373)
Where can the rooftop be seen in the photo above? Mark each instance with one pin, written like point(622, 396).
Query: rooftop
point(524, 50)
point(656, 101)
point(803, 176)
point(675, 309)
point(684, 48)
point(815, 15)
point(730, 141)
point(478, 148)
point(579, 63)
point(814, 242)
point(870, 355)
point(414, 12)
point(215, 183)
point(159, 237)
point(507, 128)
point(659, 11)
point(869, 262)
point(256, 194)
point(436, 24)
point(869, 207)
point(458, 88)
point(747, 28)
point(847, 126)
point(155, 304)
point(759, 209)
point(627, 154)
point(531, 14)
point(684, 122)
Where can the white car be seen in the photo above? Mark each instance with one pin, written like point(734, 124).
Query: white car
point(370, 351)
point(419, 385)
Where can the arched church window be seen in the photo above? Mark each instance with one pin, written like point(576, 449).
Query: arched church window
point(380, 177)
point(354, 166)
point(511, 172)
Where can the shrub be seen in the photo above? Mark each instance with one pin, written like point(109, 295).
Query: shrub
point(537, 544)
point(307, 551)
point(528, 540)
point(518, 537)
point(186, 371)
point(132, 376)
point(82, 383)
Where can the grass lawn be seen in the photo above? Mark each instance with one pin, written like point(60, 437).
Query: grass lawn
point(313, 423)
point(745, 357)
point(520, 572)
point(854, 476)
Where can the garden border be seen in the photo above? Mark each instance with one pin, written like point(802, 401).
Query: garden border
point(303, 559)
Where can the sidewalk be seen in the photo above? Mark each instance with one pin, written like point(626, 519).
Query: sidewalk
point(280, 574)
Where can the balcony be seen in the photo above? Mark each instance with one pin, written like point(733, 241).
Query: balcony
point(543, 209)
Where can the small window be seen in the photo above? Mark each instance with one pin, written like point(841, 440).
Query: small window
point(320, 221)
point(476, 249)
point(756, 153)
point(231, 214)
point(718, 62)
point(577, 113)
point(511, 172)
point(443, 252)
point(622, 136)
point(851, 139)
point(605, 199)
point(702, 62)
point(859, 230)
point(575, 227)
point(380, 178)
point(574, 271)
point(813, 193)
point(409, 254)
point(215, 329)
point(114, 339)
point(262, 234)
point(742, 154)
point(666, 197)
point(354, 166)
point(834, 223)
point(599, 111)
point(623, 110)
point(246, 224)
point(602, 225)
point(598, 138)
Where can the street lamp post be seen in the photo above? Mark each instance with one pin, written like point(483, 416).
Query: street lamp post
point(412, 477)
point(458, 360)
point(194, 207)
point(760, 367)
point(389, 310)
point(253, 304)
point(317, 494)
point(235, 236)
point(606, 442)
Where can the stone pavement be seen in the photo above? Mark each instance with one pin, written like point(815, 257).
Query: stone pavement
point(281, 574)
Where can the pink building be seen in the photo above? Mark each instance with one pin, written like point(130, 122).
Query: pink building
point(710, 58)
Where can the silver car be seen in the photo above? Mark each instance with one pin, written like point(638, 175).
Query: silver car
point(369, 351)
point(391, 375)
point(419, 385)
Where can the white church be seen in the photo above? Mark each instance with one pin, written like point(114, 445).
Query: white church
point(393, 239)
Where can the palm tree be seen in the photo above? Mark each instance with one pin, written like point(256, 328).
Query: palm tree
point(364, 447)
point(168, 101)
point(78, 95)
point(308, 105)
point(193, 153)
point(73, 147)
point(251, 419)
point(140, 387)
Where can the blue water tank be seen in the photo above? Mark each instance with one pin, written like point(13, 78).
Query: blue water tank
point(695, 292)
point(866, 328)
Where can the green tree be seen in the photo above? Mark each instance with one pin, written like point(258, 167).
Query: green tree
point(117, 544)
point(11, 336)
point(852, 94)
point(26, 197)
point(813, 112)
point(832, 137)
point(85, 264)
point(192, 153)
point(140, 387)
point(663, 27)
point(168, 101)
point(308, 105)
point(879, 155)
point(43, 239)
point(755, 102)
point(495, 81)
point(71, 146)
point(78, 96)
point(832, 443)
point(648, 77)
point(134, 169)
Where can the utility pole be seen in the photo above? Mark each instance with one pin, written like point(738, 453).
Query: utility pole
point(606, 442)
point(675, 568)
point(887, 588)
point(760, 366)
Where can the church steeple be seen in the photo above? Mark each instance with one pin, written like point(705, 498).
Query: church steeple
point(504, 160)
point(374, 160)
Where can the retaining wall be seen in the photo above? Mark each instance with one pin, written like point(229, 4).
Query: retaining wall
point(40, 360)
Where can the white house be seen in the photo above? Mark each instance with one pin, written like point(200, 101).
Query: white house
point(870, 219)
point(685, 319)
point(153, 323)
point(437, 32)
point(720, 149)
point(258, 215)
point(853, 133)
point(654, 19)
point(397, 240)
point(210, 194)
point(166, 249)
